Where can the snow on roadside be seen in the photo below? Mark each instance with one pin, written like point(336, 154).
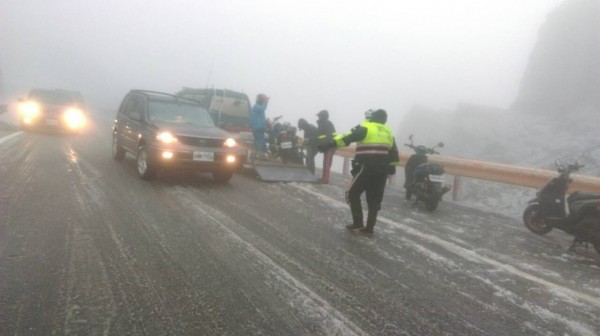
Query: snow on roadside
point(507, 137)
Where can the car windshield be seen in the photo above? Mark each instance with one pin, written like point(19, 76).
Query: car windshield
point(51, 97)
point(179, 113)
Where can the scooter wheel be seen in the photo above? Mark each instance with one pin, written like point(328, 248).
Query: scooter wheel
point(536, 224)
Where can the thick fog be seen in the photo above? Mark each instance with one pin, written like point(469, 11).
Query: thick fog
point(344, 56)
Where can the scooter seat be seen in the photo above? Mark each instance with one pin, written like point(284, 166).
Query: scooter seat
point(581, 196)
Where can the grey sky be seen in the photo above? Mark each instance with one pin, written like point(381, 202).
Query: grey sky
point(344, 56)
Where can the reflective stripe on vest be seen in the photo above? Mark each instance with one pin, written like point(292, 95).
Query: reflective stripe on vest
point(378, 141)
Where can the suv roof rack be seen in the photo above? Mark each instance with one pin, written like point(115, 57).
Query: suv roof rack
point(212, 91)
point(158, 93)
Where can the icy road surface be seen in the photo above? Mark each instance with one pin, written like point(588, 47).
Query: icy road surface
point(87, 248)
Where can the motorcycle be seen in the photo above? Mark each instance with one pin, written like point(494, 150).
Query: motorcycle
point(577, 214)
point(422, 179)
point(283, 143)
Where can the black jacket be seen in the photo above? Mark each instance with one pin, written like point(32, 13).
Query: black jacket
point(325, 131)
point(310, 135)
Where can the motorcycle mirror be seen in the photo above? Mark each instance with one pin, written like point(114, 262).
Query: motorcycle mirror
point(557, 163)
point(410, 137)
point(441, 144)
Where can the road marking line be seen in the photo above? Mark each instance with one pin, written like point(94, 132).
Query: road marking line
point(10, 136)
point(468, 254)
point(315, 307)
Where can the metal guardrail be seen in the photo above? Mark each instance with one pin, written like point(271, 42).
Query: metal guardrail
point(496, 172)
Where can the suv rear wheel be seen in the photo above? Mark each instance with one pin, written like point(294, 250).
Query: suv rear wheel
point(144, 165)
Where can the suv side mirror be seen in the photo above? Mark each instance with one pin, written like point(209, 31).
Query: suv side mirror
point(21, 100)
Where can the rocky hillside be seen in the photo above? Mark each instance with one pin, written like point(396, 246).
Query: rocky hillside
point(555, 116)
point(563, 74)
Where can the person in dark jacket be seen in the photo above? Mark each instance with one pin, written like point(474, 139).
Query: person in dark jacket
point(310, 143)
point(258, 123)
point(325, 133)
point(375, 159)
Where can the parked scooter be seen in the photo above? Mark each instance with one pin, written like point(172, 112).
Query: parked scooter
point(288, 144)
point(578, 214)
point(282, 142)
point(273, 127)
point(422, 179)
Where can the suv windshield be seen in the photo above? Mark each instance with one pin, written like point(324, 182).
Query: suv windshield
point(179, 113)
point(51, 97)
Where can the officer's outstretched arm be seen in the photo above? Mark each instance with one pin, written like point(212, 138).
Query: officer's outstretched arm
point(356, 134)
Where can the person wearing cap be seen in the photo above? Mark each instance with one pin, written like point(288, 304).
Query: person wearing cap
point(258, 123)
point(310, 143)
point(375, 159)
point(325, 134)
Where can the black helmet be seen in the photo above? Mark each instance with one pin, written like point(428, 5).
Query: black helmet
point(302, 123)
point(323, 114)
point(379, 116)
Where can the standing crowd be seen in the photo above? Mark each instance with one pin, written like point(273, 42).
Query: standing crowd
point(375, 159)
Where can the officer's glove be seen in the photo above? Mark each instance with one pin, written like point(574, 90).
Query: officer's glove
point(391, 170)
point(326, 146)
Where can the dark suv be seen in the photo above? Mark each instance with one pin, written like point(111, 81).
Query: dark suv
point(168, 132)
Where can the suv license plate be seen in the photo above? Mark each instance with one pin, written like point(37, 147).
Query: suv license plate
point(204, 156)
point(437, 178)
point(286, 145)
point(52, 122)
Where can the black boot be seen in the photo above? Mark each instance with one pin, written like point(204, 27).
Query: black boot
point(357, 219)
point(371, 220)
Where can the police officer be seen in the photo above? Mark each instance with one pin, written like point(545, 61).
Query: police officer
point(375, 159)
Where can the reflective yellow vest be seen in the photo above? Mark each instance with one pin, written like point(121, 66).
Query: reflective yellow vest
point(378, 141)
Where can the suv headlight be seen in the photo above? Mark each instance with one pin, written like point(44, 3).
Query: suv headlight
point(166, 137)
point(230, 142)
point(29, 110)
point(74, 118)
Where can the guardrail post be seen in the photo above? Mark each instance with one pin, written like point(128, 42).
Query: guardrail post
point(346, 167)
point(455, 187)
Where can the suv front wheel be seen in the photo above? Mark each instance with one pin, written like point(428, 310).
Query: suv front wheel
point(222, 175)
point(118, 152)
point(145, 166)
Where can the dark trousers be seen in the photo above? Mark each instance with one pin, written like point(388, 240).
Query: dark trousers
point(371, 180)
point(310, 158)
point(259, 140)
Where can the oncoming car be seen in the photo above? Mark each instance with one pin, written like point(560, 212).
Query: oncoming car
point(52, 109)
point(164, 131)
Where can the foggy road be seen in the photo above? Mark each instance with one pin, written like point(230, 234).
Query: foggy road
point(88, 248)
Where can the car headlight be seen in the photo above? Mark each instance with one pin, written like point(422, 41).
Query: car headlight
point(166, 137)
point(74, 118)
point(230, 142)
point(29, 110)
